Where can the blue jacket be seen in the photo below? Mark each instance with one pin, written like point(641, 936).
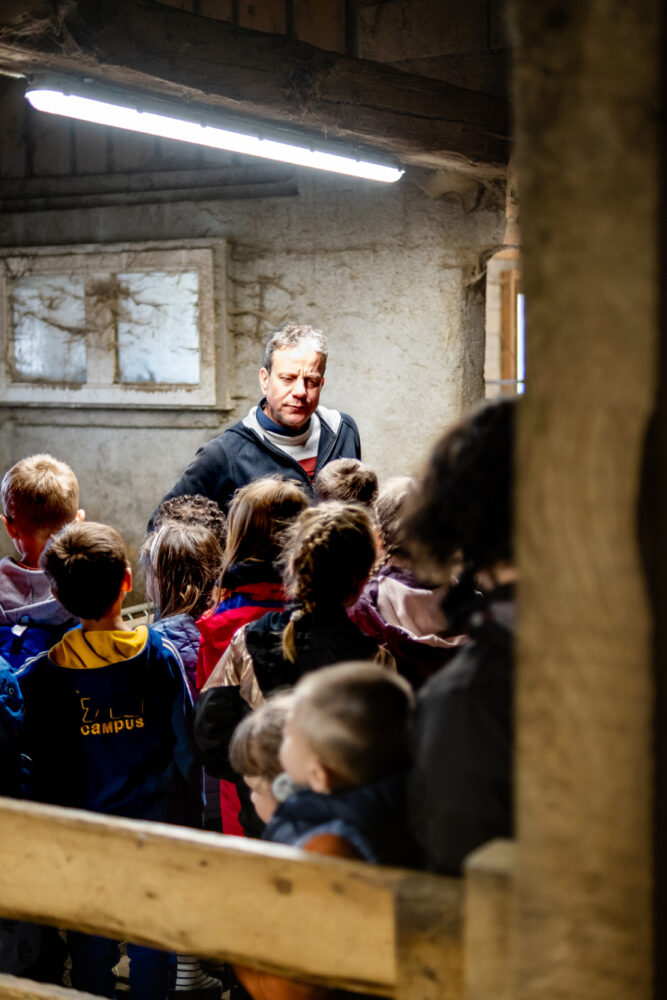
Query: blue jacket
point(372, 818)
point(115, 739)
point(240, 455)
point(182, 632)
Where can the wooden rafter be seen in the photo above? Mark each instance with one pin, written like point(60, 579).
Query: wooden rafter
point(172, 53)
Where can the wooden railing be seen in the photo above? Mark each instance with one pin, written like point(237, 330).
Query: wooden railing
point(323, 920)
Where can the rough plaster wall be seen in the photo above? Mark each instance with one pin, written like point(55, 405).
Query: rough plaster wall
point(384, 271)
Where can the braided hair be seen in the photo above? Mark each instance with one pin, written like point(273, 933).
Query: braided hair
point(327, 555)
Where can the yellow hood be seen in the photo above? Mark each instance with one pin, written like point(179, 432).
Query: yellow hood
point(81, 650)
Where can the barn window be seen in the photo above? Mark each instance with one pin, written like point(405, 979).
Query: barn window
point(131, 325)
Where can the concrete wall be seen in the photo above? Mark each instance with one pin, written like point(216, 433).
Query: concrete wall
point(387, 272)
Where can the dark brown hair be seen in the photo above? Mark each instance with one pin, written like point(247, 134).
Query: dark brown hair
point(192, 508)
point(85, 564)
point(465, 501)
point(346, 479)
point(355, 717)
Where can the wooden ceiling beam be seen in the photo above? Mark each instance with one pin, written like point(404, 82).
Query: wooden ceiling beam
point(175, 54)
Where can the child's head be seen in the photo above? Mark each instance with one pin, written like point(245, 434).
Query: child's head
point(327, 554)
point(39, 496)
point(87, 567)
point(192, 508)
point(346, 479)
point(257, 514)
point(254, 749)
point(347, 726)
point(390, 508)
point(465, 500)
point(181, 563)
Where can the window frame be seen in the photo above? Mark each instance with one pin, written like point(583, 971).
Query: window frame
point(206, 257)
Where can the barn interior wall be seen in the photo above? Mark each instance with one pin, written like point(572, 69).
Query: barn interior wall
point(391, 276)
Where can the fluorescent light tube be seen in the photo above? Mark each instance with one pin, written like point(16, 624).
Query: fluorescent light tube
point(118, 115)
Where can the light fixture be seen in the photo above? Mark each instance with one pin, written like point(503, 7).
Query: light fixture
point(88, 102)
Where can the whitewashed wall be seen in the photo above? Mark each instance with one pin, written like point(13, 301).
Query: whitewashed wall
point(386, 272)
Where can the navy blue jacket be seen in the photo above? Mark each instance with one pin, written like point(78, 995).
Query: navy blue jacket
point(372, 818)
point(115, 739)
point(240, 455)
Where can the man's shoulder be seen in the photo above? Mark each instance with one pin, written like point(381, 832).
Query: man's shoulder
point(336, 419)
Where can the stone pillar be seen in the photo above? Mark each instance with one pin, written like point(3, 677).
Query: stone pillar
point(587, 94)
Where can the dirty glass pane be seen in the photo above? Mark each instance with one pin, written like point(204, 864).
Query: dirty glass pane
point(158, 335)
point(48, 329)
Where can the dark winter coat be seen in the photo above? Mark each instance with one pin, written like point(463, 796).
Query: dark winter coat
point(460, 787)
point(371, 818)
point(240, 455)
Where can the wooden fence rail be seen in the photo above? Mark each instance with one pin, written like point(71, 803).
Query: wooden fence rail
point(323, 920)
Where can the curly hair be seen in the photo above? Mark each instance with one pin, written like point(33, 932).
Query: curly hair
point(465, 501)
point(192, 508)
point(328, 553)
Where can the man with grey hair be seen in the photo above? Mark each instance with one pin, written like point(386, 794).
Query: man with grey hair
point(287, 433)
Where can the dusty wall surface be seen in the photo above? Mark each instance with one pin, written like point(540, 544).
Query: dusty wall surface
point(388, 273)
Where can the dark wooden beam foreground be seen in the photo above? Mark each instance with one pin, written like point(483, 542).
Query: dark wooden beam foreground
point(172, 53)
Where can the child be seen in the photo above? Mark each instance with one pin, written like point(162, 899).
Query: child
point(39, 496)
point(346, 479)
point(254, 751)
point(329, 551)
point(181, 563)
point(250, 586)
point(461, 786)
point(192, 508)
point(108, 725)
point(345, 742)
point(397, 607)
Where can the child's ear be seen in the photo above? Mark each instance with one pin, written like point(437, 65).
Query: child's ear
point(11, 530)
point(319, 777)
point(126, 585)
point(80, 515)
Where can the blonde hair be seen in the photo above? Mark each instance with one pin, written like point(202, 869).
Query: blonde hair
point(255, 743)
point(40, 493)
point(181, 563)
point(256, 516)
point(346, 479)
point(355, 717)
point(328, 553)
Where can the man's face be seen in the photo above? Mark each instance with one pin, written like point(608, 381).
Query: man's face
point(292, 387)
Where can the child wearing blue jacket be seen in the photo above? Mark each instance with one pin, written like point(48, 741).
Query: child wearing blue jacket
point(108, 725)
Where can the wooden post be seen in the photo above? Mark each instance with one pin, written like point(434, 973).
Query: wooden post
point(429, 923)
point(489, 934)
point(587, 89)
